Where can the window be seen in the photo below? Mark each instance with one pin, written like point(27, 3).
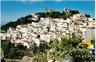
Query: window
point(38, 36)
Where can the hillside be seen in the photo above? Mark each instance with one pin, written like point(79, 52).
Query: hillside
point(27, 19)
point(50, 36)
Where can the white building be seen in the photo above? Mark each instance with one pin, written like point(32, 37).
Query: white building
point(49, 29)
point(89, 34)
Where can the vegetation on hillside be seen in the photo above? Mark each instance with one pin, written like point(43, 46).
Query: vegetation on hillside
point(20, 21)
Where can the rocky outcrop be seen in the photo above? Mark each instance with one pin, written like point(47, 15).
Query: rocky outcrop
point(28, 59)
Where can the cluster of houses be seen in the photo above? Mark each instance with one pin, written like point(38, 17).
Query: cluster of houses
point(48, 29)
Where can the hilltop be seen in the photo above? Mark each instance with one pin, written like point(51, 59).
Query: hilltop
point(67, 13)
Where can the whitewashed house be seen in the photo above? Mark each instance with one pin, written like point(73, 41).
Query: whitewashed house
point(89, 34)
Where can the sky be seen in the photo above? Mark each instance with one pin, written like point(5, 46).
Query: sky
point(12, 10)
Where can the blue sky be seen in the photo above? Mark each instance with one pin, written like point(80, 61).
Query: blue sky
point(12, 10)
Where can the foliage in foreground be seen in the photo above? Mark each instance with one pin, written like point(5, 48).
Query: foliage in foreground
point(57, 49)
point(68, 45)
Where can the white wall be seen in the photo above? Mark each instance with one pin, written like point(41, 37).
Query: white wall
point(89, 35)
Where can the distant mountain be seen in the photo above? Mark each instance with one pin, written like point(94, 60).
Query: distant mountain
point(28, 19)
